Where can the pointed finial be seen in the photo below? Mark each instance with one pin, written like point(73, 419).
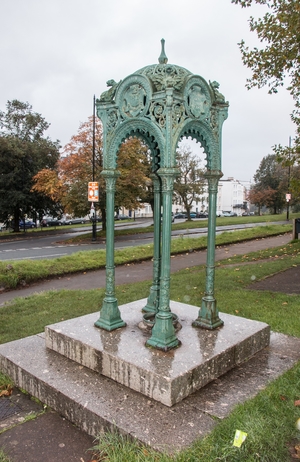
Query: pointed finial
point(163, 57)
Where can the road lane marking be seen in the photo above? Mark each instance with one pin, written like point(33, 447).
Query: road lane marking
point(39, 256)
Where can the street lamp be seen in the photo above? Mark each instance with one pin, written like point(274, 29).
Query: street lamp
point(288, 195)
point(93, 215)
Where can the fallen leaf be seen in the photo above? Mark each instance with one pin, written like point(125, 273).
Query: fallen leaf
point(6, 392)
point(297, 402)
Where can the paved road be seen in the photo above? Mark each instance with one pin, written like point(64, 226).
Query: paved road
point(143, 271)
point(38, 246)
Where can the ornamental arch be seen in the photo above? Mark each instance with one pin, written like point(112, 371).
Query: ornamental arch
point(161, 104)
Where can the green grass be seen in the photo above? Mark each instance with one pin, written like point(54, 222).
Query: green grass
point(15, 273)
point(5, 381)
point(187, 225)
point(268, 419)
point(3, 457)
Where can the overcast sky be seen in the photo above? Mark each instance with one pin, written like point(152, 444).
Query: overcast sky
point(56, 54)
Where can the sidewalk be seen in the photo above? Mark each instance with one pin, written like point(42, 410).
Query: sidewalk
point(49, 437)
point(136, 272)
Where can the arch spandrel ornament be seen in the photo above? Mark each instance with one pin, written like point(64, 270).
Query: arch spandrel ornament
point(161, 104)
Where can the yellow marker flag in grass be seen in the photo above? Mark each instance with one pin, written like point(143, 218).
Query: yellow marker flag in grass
point(239, 438)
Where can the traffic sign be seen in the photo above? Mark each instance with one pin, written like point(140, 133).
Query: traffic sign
point(93, 191)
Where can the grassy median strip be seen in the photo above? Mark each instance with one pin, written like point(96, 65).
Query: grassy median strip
point(268, 419)
point(15, 273)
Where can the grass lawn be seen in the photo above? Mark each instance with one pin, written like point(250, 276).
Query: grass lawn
point(268, 419)
point(14, 273)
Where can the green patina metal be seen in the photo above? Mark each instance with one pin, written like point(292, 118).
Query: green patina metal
point(161, 104)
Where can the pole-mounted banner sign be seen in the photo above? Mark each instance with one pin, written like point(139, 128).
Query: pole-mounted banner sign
point(93, 193)
point(288, 197)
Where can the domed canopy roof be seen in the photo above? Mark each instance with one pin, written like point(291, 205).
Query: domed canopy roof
point(164, 75)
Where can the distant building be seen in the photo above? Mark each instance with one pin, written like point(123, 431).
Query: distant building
point(231, 196)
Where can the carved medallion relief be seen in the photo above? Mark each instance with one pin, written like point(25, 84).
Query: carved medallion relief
point(197, 98)
point(134, 100)
point(133, 97)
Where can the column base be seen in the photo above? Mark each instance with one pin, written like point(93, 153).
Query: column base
point(152, 301)
point(110, 316)
point(208, 317)
point(163, 333)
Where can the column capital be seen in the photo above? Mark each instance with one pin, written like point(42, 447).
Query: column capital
point(110, 174)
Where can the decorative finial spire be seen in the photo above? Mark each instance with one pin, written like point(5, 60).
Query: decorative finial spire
point(163, 57)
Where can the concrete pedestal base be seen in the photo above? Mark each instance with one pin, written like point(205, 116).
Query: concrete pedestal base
point(167, 377)
point(96, 403)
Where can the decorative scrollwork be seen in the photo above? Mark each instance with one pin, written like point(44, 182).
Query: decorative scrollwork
point(165, 76)
point(112, 119)
point(157, 112)
point(178, 114)
point(110, 277)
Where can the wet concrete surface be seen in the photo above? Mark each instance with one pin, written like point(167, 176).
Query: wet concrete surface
point(97, 403)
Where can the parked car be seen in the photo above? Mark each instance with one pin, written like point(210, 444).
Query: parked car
point(28, 224)
point(180, 215)
point(73, 221)
point(122, 217)
point(229, 214)
point(219, 213)
point(201, 215)
point(193, 214)
point(50, 222)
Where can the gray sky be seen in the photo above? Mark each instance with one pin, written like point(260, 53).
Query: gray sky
point(56, 54)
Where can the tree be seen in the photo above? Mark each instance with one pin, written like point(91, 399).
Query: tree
point(133, 185)
point(69, 182)
point(269, 180)
point(76, 168)
point(261, 197)
point(279, 58)
point(189, 186)
point(24, 151)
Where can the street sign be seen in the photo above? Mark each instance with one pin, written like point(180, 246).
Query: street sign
point(288, 197)
point(93, 191)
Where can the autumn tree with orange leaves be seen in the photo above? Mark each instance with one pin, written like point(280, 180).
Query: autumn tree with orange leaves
point(68, 183)
point(261, 197)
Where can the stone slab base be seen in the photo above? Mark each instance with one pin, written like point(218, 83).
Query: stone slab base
point(96, 403)
point(167, 377)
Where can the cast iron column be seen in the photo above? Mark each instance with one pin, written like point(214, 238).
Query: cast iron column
point(163, 333)
point(208, 316)
point(110, 317)
point(153, 299)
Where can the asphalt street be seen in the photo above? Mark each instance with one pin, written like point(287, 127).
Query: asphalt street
point(42, 245)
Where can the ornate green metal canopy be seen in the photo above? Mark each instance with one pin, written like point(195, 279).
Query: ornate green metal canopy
point(161, 104)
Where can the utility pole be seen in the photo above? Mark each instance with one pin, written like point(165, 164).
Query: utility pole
point(288, 196)
point(93, 215)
